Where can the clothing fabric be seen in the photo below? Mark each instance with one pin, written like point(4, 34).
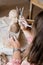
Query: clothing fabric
point(17, 62)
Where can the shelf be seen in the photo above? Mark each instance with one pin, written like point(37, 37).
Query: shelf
point(37, 3)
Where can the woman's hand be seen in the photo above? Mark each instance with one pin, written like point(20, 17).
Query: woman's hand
point(16, 45)
point(22, 23)
point(14, 42)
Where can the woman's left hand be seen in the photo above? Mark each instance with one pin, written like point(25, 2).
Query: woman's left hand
point(14, 43)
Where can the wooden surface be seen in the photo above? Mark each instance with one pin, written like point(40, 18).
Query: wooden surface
point(30, 21)
point(37, 3)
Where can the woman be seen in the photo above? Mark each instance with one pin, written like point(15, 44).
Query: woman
point(35, 55)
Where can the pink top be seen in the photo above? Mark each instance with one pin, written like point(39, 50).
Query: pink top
point(18, 62)
point(14, 62)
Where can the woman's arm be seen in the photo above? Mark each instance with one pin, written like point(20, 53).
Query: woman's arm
point(16, 58)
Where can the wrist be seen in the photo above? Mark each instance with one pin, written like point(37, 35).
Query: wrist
point(17, 54)
point(16, 50)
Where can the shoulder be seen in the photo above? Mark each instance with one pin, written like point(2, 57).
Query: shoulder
point(25, 62)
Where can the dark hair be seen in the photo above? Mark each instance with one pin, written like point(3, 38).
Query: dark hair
point(36, 51)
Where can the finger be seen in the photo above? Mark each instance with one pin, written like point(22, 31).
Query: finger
point(15, 39)
point(20, 22)
point(22, 17)
point(23, 20)
point(11, 40)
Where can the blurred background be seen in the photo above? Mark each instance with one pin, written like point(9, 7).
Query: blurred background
point(7, 5)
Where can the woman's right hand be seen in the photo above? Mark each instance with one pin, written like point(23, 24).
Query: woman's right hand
point(22, 23)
